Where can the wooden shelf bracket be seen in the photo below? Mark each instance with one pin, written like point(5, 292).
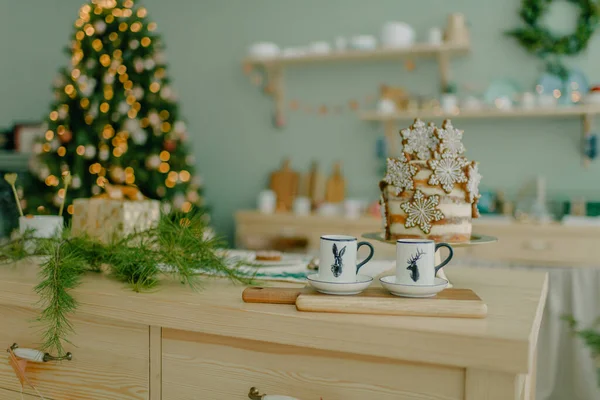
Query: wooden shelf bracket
point(587, 123)
point(275, 89)
point(273, 67)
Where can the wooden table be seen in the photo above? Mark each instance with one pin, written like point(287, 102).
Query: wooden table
point(177, 344)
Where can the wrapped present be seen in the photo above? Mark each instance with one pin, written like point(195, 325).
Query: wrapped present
point(118, 212)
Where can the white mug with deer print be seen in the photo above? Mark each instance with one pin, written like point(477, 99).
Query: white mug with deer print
point(337, 259)
point(415, 261)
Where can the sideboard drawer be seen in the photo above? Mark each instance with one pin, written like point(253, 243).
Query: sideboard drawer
point(110, 359)
point(544, 249)
point(200, 366)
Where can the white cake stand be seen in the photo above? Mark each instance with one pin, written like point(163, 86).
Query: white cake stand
point(475, 241)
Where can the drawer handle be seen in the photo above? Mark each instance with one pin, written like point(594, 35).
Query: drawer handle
point(36, 355)
point(254, 394)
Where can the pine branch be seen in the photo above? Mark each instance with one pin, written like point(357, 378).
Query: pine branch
point(590, 336)
point(183, 245)
point(177, 246)
point(136, 265)
point(15, 250)
point(60, 273)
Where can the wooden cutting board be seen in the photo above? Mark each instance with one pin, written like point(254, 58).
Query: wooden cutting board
point(273, 295)
point(453, 303)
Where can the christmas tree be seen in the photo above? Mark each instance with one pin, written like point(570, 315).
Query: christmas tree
point(114, 116)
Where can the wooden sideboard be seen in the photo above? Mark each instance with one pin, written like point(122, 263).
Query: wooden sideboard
point(548, 244)
point(176, 344)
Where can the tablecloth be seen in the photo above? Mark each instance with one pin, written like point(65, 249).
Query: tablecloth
point(565, 367)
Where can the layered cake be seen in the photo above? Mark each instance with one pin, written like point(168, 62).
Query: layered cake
point(431, 190)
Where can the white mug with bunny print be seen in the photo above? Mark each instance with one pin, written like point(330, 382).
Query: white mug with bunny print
point(337, 260)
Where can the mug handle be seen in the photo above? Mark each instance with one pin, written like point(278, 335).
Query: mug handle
point(366, 260)
point(447, 260)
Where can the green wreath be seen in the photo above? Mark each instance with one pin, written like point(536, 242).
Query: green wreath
point(538, 40)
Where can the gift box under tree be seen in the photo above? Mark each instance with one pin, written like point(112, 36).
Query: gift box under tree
point(110, 216)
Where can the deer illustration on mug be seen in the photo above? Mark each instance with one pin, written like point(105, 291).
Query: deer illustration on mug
point(337, 265)
point(412, 265)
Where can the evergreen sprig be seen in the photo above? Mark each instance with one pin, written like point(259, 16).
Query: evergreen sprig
point(590, 337)
point(60, 273)
point(179, 246)
point(14, 250)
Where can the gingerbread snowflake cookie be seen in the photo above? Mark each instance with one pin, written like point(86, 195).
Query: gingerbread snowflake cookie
point(400, 173)
point(473, 180)
point(450, 138)
point(421, 211)
point(447, 170)
point(419, 139)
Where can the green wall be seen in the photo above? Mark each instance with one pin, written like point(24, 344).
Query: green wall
point(229, 119)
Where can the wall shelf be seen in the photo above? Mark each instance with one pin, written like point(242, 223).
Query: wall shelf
point(585, 112)
point(274, 67)
point(564, 111)
point(418, 50)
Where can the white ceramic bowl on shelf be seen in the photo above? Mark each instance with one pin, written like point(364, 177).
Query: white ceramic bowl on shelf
point(319, 47)
point(264, 50)
point(397, 35)
point(363, 42)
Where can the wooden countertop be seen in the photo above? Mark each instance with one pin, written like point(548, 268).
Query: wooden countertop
point(369, 222)
point(503, 341)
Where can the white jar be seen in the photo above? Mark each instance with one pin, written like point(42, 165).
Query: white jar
point(301, 206)
point(386, 106)
point(267, 201)
point(435, 36)
point(449, 103)
point(43, 226)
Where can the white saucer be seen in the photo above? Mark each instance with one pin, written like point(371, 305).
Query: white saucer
point(340, 288)
point(405, 290)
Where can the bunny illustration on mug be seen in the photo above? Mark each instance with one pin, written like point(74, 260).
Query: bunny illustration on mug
point(338, 258)
point(338, 264)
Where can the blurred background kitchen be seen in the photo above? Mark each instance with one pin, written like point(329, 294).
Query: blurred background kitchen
point(292, 107)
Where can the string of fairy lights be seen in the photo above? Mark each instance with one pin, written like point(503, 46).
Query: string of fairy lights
point(123, 123)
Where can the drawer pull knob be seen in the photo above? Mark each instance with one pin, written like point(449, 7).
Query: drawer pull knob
point(254, 394)
point(36, 355)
